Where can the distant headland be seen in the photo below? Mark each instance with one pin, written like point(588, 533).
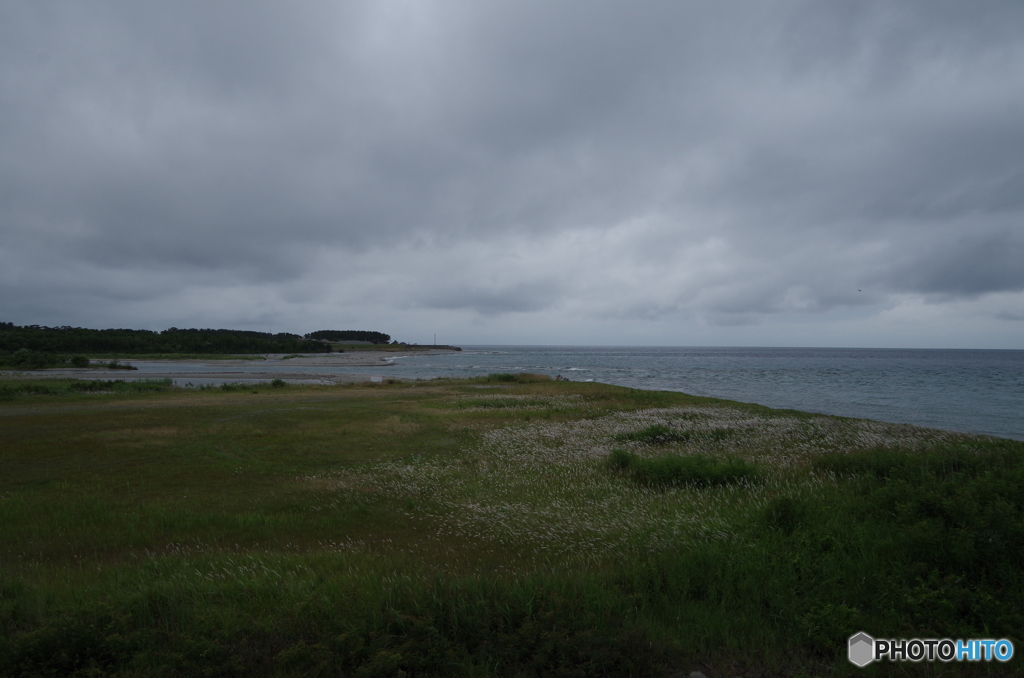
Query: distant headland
point(36, 346)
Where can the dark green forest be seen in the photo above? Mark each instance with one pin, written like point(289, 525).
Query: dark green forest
point(350, 335)
point(58, 340)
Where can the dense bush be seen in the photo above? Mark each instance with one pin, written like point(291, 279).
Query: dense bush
point(696, 470)
point(14, 389)
point(28, 359)
point(656, 434)
point(505, 377)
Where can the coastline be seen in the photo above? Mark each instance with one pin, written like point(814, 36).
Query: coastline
point(275, 366)
point(963, 390)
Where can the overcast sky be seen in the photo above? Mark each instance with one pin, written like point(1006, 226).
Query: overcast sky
point(652, 172)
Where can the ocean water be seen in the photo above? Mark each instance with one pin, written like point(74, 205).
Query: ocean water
point(977, 391)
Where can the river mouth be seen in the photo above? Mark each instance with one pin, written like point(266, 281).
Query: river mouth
point(336, 368)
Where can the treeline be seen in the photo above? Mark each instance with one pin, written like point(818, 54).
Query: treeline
point(350, 335)
point(36, 338)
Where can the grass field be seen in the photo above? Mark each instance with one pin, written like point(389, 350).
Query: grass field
point(507, 526)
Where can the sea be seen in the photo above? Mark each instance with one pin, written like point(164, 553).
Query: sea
point(974, 391)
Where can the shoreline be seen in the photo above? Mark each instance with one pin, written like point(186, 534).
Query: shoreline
point(227, 371)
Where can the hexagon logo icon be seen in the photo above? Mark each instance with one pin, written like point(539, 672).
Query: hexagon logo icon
point(861, 649)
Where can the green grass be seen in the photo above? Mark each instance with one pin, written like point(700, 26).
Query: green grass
point(513, 527)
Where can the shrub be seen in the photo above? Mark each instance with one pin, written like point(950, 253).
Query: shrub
point(521, 378)
point(120, 385)
point(64, 388)
point(79, 361)
point(655, 434)
point(278, 383)
point(34, 360)
point(621, 459)
point(11, 391)
point(697, 470)
point(115, 365)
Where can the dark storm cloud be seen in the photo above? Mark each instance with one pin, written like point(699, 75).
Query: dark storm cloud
point(726, 162)
point(969, 266)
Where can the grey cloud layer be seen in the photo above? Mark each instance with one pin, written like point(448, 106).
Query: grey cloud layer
point(724, 161)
